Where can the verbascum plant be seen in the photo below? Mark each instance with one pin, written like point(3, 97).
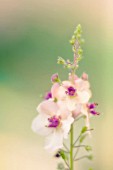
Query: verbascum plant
point(66, 103)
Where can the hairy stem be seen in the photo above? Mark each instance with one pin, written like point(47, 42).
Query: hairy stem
point(71, 148)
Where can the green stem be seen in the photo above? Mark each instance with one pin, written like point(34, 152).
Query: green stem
point(82, 157)
point(71, 148)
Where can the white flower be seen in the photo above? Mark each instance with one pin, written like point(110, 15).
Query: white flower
point(54, 122)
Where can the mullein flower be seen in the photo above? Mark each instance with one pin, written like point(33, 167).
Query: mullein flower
point(73, 93)
point(54, 122)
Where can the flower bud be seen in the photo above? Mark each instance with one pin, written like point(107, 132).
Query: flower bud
point(72, 42)
point(55, 78)
point(84, 76)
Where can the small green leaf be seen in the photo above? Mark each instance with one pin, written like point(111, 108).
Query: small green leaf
point(84, 129)
point(63, 155)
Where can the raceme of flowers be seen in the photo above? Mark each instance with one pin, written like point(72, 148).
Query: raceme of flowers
point(62, 105)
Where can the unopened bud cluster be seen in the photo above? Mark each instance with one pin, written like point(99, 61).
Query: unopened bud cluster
point(76, 42)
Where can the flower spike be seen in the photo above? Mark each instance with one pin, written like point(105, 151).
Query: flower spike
point(64, 104)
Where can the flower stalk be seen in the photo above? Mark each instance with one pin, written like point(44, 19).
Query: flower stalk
point(71, 148)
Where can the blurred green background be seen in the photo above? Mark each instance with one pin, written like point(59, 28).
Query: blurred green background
point(32, 34)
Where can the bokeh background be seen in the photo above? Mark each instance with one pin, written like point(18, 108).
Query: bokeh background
point(32, 34)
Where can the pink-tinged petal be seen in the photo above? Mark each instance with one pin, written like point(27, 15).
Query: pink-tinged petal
point(71, 103)
point(47, 107)
point(86, 85)
point(66, 84)
point(89, 92)
point(58, 91)
point(84, 110)
point(77, 110)
point(39, 125)
point(83, 96)
point(81, 84)
point(63, 110)
point(54, 90)
point(54, 141)
point(66, 125)
point(72, 77)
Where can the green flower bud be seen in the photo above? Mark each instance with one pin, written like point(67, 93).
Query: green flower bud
point(90, 157)
point(72, 42)
point(60, 60)
point(88, 148)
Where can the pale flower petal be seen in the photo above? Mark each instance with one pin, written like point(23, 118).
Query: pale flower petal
point(66, 125)
point(39, 125)
point(71, 103)
point(54, 141)
point(83, 96)
point(72, 77)
point(48, 107)
point(54, 90)
point(63, 110)
point(82, 84)
point(58, 91)
point(66, 84)
point(77, 110)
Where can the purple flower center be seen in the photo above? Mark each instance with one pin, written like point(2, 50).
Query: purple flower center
point(48, 96)
point(54, 122)
point(92, 107)
point(71, 91)
point(94, 112)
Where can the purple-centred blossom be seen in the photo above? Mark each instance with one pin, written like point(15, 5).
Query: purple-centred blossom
point(54, 122)
point(64, 102)
point(73, 93)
